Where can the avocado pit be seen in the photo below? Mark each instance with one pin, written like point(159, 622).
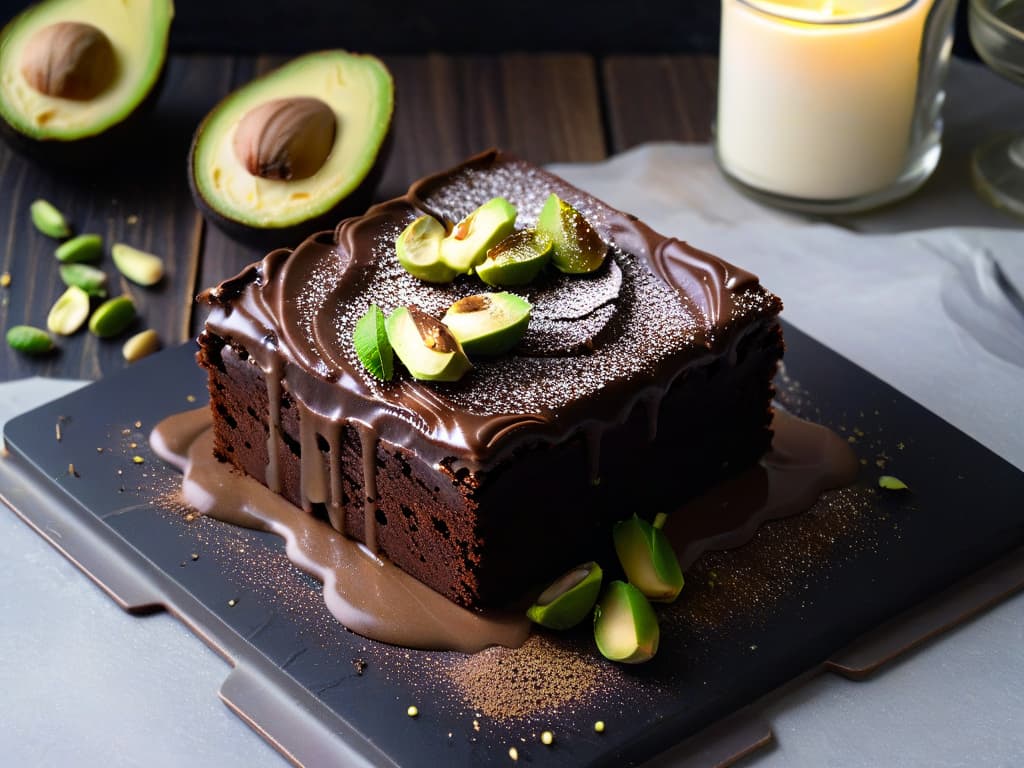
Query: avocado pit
point(69, 60)
point(285, 139)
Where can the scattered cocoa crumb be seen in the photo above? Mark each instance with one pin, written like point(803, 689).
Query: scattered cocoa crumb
point(360, 666)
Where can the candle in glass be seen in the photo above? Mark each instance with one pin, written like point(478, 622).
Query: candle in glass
point(828, 106)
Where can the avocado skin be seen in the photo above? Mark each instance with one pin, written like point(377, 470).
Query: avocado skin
point(269, 238)
point(120, 146)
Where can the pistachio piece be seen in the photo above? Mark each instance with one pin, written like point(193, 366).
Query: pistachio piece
point(569, 599)
point(69, 60)
point(488, 323)
point(112, 317)
point(138, 266)
point(625, 627)
point(69, 312)
point(425, 346)
point(285, 139)
point(91, 280)
point(28, 339)
point(140, 345)
point(891, 483)
point(48, 220)
point(80, 249)
point(647, 558)
point(517, 259)
point(470, 239)
point(578, 249)
point(419, 250)
point(370, 338)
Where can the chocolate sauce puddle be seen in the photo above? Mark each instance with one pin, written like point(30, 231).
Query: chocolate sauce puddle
point(368, 595)
point(373, 598)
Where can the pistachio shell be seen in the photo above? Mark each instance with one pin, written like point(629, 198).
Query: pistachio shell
point(138, 266)
point(569, 599)
point(625, 627)
point(69, 312)
point(648, 559)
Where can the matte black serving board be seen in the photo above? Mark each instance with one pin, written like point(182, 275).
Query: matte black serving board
point(324, 695)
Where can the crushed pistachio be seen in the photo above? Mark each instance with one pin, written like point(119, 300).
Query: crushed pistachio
point(599, 726)
point(413, 711)
point(547, 738)
point(890, 483)
point(138, 459)
point(513, 753)
point(5, 280)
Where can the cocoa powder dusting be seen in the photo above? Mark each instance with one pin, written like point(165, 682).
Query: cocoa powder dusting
point(541, 676)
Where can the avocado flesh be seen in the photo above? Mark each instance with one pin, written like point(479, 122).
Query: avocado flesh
point(489, 323)
point(468, 242)
point(138, 34)
point(422, 362)
point(360, 92)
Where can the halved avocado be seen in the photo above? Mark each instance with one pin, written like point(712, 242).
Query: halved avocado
point(294, 150)
point(73, 71)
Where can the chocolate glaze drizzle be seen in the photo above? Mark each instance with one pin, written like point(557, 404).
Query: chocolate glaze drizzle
point(377, 600)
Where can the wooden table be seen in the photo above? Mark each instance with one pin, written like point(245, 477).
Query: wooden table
point(544, 107)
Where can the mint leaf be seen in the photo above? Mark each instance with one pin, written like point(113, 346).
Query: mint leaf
point(372, 346)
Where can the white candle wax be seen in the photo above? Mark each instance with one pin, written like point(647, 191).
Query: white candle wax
point(818, 108)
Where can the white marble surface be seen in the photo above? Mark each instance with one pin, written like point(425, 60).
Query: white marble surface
point(71, 662)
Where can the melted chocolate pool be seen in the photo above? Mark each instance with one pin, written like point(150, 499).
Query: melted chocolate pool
point(373, 598)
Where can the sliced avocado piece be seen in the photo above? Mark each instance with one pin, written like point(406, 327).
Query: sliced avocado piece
point(578, 249)
point(648, 559)
point(294, 149)
point(73, 69)
point(516, 260)
point(569, 599)
point(419, 250)
point(470, 239)
point(488, 323)
point(625, 627)
point(425, 346)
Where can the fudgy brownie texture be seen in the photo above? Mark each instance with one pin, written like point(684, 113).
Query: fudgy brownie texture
point(479, 499)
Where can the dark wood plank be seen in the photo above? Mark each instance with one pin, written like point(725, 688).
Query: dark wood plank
point(145, 204)
point(659, 98)
point(544, 108)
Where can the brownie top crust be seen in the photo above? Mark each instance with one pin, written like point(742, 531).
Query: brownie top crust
point(596, 347)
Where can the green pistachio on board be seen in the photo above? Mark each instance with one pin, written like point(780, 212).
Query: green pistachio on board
point(112, 317)
point(138, 266)
point(569, 599)
point(647, 558)
point(468, 242)
point(69, 312)
point(577, 248)
point(29, 340)
point(890, 483)
point(488, 323)
point(425, 345)
point(370, 338)
point(516, 260)
point(419, 250)
point(79, 249)
point(140, 345)
point(625, 627)
point(48, 220)
point(90, 279)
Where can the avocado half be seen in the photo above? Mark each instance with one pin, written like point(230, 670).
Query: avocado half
point(72, 73)
point(294, 150)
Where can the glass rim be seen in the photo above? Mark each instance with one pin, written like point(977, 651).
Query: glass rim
point(982, 9)
point(814, 21)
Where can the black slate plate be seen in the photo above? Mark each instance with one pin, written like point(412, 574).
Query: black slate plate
point(801, 591)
